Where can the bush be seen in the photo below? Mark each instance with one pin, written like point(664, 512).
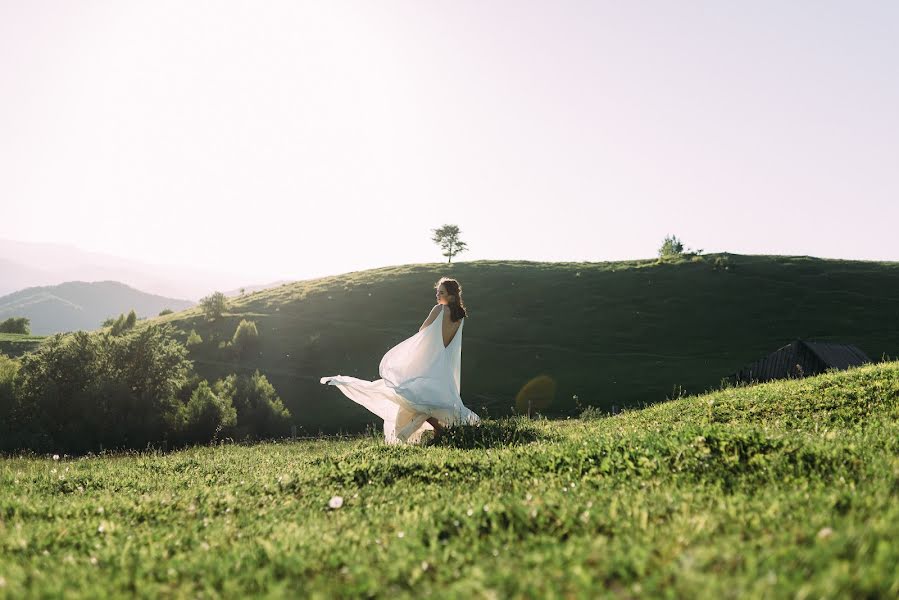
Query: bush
point(80, 391)
point(671, 247)
point(9, 368)
point(246, 339)
point(207, 415)
point(165, 311)
point(260, 412)
point(16, 325)
point(214, 305)
point(122, 324)
point(193, 339)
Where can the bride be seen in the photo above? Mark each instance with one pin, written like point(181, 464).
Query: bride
point(420, 376)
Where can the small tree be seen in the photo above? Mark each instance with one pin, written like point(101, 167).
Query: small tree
point(447, 237)
point(122, 324)
point(193, 339)
point(16, 325)
point(246, 338)
point(207, 414)
point(671, 247)
point(214, 305)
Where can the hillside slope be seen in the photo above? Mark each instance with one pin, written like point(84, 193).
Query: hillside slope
point(613, 334)
point(782, 490)
point(80, 305)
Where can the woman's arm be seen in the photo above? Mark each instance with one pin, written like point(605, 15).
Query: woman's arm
point(434, 313)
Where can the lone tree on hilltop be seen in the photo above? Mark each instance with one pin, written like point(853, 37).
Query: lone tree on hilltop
point(447, 237)
point(214, 305)
point(671, 247)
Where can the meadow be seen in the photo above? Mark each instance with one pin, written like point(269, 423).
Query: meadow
point(787, 489)
point(17, 344)
point(614, 334)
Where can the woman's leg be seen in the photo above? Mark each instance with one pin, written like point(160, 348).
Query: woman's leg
point(438, 428)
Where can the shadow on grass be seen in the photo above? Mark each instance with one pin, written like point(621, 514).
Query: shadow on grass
point(490, 434)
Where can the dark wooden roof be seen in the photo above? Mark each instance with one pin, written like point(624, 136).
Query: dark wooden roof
point(840, 356)
point(800, 359)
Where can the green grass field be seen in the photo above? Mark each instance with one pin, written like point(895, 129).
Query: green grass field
point(789, 489)
point(17, 344)
point(619, 334)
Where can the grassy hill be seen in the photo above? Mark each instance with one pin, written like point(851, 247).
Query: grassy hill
point(17, 344)
point(614, 334)
point(80, 305)
point(784, 490)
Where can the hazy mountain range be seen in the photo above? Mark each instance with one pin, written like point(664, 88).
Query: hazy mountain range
point(30, 264)
point(80, 305)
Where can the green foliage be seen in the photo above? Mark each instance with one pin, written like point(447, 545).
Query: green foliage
point(246, 339)
point(193, 339)
point(784, 490)
point(16, 325)
point(9, 368)
point(260, 412)
point(122, 324)
point(214, 305)
point(447, 237)
point(671, 247)
point(165, 311)
point(80, 391)
point(208, 415)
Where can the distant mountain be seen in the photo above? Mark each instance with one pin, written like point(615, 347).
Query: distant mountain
point(80, 305)
point(29, 264)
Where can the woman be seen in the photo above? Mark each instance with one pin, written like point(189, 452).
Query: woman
point(420, 376)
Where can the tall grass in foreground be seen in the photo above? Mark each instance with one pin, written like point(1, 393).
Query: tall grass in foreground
point(786, 489)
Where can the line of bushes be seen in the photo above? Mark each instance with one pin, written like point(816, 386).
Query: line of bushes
point(83, 392)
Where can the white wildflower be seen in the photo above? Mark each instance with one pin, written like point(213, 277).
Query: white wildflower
point(335, 502)
point(56, 457)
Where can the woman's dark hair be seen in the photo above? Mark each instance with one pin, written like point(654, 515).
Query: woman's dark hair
point(456, 305)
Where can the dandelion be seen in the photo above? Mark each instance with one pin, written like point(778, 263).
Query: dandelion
point(401, 534)
point(424, 565)
point(101, 528)
point(335, 502)
point(56, 457)
point(469, 512)
point(93, 560)
point(825, 533)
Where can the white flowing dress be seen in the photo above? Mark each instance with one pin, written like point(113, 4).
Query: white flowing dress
point(420, 378)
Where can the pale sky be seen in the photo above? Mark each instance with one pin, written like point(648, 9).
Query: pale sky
point(297, 139)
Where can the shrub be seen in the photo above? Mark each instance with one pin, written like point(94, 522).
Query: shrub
point(260, 412)
point(165, 311)
point(9, 368)
point(207, 414)
point(246, 338)
point(671, 247)
point(79, 391)
point(122, 324)
point(193, 339)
